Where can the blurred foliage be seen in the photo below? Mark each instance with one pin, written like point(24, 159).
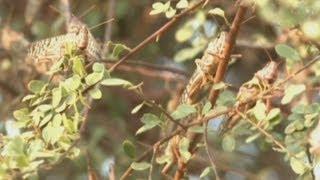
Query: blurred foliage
point(127, 120)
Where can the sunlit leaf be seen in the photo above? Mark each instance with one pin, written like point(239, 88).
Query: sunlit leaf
point(150, 121)
point(287, 52)
point(205, 172)
point(72, 83)
point(140, 166)
point(182, 4)
point(93, 78)
point(95, 93)
point(137, 108)
point(171, 12)
point(115, 82)
point(184, 34)
point(56, 96)
point(298, 166)
point(78, 66)
point(206, 108)
point(36, 86)
point(183, 110)
point(259, 111)
point(119, 49)
point(291, 92)
point(52, 134)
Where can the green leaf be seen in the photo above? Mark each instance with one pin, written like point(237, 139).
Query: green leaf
point(310, 119)
point(184, 149)
point(15, 147)
point(115, 82)
point(183, 111)
point(129, 148)
point(68, 124)
point(72, 83)
point(290, 128)
point(93, 78)
point(273, 114)
point(298, 166)
point(119, 49)
point(228, 143)
point(98, 67)
point(61, 108)
point(287, 52)
point(184, 34)
point(150, 121)
point(259, 111)
point(187, 53)
point(252, 138)
point(46, 119)
point(57, 120)
point(28, 97)
point(171, 12)
point(21, 114)
point(52, 134)
point(205, 172)
point(78, 66)
point(182, 4)
point(45, 107)
point(56, 96)
point(206, 108)
point(95, 93)
point(226, 98)
point(291, 92)
point(140, 166)
point(137, 108)
point(36, 86)
point(158, 8)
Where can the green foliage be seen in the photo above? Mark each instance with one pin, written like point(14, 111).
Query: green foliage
point(291, 92)
point(183, 111)
point(129, 148)
point(287, 52)
point(52, 117)
point(140, 166)
point(150, 121)
point(167, 8)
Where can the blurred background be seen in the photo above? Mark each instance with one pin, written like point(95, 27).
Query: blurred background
point(268, 23)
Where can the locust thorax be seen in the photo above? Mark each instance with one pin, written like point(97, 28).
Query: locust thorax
point(269, 72)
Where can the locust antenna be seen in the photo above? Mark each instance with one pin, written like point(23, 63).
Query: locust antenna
point(105, 22)
point(87, 11)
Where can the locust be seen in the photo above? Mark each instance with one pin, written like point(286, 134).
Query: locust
point(205, 71)
point(44, 53)
point(202, 77)
point(261, 81)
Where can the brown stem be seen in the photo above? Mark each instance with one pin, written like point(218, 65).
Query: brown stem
point(230, 41)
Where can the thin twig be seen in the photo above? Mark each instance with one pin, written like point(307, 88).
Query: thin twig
point(156, 34)
point(155, 151)
point(214, 115)
point(210, 155)
point(108, 30)
point(161, 109)
point(230, 41)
